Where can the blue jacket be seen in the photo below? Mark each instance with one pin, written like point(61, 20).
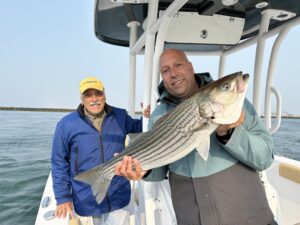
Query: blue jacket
point(79, 146)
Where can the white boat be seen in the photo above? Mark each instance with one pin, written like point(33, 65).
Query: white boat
point(46, 213)
point(200, 27)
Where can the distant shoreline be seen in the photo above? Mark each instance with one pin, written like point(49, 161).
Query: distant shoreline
point(291, 116)
point(35, 109)
point(42, 109)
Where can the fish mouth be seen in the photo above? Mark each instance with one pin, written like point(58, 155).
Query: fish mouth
point(242, 83)
point(245, 77)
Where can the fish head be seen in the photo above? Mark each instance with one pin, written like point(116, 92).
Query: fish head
point(222, 100)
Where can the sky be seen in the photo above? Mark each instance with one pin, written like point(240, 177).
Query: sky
point(48, 47)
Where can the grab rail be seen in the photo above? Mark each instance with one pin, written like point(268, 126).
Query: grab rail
point(278, 110)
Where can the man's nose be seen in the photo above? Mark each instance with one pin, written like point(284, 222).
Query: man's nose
point(173, 72)
point(94, 97)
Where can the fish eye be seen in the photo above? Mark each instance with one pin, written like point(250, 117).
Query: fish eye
point(226, 87)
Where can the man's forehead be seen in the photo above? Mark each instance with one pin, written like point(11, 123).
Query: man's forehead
point(173, 53)
point(164, 61)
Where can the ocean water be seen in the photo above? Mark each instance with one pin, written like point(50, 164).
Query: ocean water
point(25, 148)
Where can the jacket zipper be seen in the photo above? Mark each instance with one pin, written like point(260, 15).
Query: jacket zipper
point(101, 151)
point(102, 154)
point(76, 161)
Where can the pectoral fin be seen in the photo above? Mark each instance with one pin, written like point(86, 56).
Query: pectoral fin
point(203, 148)
point(133, 136)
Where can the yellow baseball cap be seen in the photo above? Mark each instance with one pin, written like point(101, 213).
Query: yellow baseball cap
point(91, 83)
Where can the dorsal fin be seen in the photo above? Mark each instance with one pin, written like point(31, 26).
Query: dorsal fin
point(133, 136)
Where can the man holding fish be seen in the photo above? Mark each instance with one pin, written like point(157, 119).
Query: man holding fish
point(217, 182)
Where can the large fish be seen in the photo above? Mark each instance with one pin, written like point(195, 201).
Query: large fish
point(185, 128)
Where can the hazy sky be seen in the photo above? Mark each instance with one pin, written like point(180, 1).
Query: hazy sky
point(47, 47)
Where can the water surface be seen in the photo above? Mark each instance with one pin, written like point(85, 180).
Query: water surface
point(25, 148)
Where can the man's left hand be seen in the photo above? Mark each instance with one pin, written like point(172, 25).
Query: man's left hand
point(146, 111)
point(224, 128)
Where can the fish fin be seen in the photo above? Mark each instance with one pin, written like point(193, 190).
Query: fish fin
point(133, 136)
point(204, 125)
point(97, 180)
point(203, 148)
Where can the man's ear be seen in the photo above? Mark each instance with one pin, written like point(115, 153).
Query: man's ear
point(81, 99)
point(191, 67)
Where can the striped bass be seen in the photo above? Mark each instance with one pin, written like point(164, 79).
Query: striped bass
point(176, 134)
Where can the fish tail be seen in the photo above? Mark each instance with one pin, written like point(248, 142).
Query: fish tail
point(98, 181)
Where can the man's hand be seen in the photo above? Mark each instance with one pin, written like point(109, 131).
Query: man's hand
point(224, 128)
point(129, 168)
point(63, 209)
point(146, 112)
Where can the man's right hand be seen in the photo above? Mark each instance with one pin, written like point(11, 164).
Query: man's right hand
point(130, 168)
point(63, 209)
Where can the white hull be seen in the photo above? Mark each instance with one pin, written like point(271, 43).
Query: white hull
point(45, 214)
point(288, 190)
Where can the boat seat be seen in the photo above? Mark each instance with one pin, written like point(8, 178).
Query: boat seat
point(290, 172)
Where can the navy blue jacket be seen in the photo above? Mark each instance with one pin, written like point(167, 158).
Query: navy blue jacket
point(79, 146)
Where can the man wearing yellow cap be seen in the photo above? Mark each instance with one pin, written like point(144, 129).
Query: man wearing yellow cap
point(83, 139)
